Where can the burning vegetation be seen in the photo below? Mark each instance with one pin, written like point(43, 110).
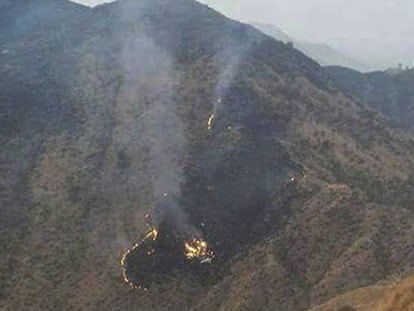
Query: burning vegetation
point(197, 249)
point(167, 252)
point(151, 235)
point(232, 194)
point(156, 254)
point(210, 122)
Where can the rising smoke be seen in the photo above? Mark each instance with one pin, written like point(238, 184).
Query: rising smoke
point(228, 61)
point(150, 82)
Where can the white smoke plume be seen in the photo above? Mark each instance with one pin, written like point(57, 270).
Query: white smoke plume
point(228, 61)
point(150, 83)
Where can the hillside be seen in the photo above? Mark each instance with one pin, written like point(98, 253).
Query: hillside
point(322, 53)
point(395, 295)
point(35, 16)
point(302, 192)
point(390, 92)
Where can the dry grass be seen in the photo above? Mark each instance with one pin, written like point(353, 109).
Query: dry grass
point(397, 296)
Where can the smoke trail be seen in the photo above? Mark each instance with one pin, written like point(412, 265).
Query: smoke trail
point(150, 83)
point(228, 61)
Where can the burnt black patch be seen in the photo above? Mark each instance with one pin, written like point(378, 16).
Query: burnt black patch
point(237, 186)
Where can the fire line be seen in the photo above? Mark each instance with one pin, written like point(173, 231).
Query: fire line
point(193, 250)
point(153, 234)
point(210, 122)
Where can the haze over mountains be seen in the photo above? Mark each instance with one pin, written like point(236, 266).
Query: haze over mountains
point(369, 35)
point(390, 92)
point(322, 53)
point(304, 177)
point(377, 32)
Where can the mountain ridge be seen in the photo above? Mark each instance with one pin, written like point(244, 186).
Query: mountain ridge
point(322, 53)
point(388, 92)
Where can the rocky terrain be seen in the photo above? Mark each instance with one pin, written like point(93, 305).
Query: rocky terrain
point(106, 111)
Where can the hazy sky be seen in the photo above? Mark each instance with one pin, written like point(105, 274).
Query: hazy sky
point(375, 31)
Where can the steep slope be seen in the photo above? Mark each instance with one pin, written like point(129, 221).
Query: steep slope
point(31, 54)
point(395, 295)
point(116, 114)
point(322, 53)
point(388, 92)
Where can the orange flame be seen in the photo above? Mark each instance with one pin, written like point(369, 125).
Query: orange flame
point(210, 122)
point(153, 234)
point(197, 248)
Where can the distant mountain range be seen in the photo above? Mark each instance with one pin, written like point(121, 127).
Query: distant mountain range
point(322, 53)
point(390, 92)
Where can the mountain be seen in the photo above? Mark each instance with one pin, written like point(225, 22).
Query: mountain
point(390, 92)
point(322, 53)
point(220, 132)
